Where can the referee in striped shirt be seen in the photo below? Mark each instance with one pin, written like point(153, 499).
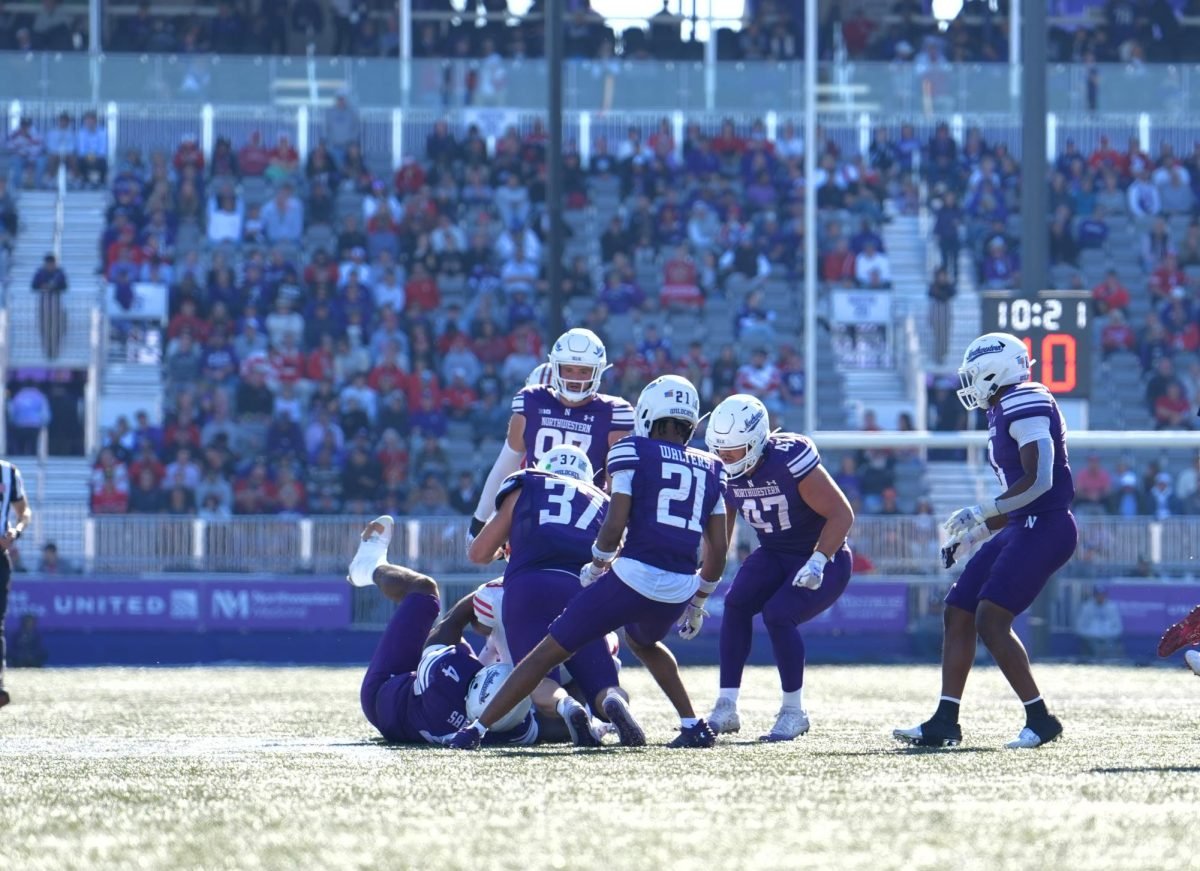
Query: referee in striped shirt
point(12, 499)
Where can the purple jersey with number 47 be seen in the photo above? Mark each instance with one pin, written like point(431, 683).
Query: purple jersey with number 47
point(554, 522)
point(1027, 400)
point(768, 498)
point(549, 423)
point(675, 489)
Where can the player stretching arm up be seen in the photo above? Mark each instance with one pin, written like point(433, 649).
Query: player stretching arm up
point(667, 498)
point(1037, 535)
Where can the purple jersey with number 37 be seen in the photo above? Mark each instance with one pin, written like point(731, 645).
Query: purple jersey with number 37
point(549, 423)
point(769, 499)
point(675, 489)
point(554, 521)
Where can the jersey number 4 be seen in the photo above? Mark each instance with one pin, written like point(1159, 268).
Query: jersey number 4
point(754, 514)
point(688, 484)
point(562, 498)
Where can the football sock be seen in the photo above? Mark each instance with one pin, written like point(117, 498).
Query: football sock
point(688, 722)
point(730, 693)
point(565, 706)
point(1035, 709)
point(479, 727)
point(793, 699)
point(947, 709)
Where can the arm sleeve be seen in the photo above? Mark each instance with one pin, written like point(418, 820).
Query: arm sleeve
point(506, 463)
point(18, 485)
point(1025, 431)
point(802, 459)
point(622, 456)
point(622, 416)
point(622, 482)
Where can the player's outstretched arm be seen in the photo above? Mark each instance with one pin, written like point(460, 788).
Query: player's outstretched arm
point(822, 494)
point(488, 545)
point(449, 630)
point(507, 462)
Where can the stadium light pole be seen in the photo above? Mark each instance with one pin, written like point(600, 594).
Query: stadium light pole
point(1035, 234)
point(404, 18)
point(810, 217)
point(554, 106)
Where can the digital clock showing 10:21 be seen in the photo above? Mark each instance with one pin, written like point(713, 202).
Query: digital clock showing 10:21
point(1056, 327)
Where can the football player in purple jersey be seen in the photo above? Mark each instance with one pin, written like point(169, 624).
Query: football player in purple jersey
point(668, 500)
point(549, 516)
point(801, 566)
point(569, 410)
point(416, 685)
point(1036, 536)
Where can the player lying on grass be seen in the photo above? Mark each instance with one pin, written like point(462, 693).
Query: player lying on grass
point(666, 499)
point(801, 566)
point(1028, 452)
point(1185, 633)
point(416, 685)
point(549, 517)
point(570, 409)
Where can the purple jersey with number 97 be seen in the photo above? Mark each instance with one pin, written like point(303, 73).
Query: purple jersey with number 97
point(549, 423)
point(554, 521)
point(675, 489)
point(769, 499)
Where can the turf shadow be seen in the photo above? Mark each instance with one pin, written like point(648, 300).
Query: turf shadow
point(1149, 769)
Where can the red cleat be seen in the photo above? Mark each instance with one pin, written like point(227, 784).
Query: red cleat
point(1185, 633)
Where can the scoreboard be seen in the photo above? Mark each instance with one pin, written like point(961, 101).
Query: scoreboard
point(1057, 331)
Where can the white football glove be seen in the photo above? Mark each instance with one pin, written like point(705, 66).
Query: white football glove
point(693, 619)
point(965, 519)
point(812, 573)
point(964, 544)
point(589, 573)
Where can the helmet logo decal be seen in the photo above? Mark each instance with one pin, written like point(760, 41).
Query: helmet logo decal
point(754, 421)
point(984, 351)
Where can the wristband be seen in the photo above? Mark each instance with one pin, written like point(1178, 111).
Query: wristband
point(604, 556)
point(707, 587)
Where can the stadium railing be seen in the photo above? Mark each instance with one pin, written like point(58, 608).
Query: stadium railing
point(274, 545)
point(441, 83)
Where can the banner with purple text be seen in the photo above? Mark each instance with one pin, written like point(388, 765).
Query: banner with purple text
point(183, 605)
point(1148, 609)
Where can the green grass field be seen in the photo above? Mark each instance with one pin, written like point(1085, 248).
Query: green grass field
point(276, 768)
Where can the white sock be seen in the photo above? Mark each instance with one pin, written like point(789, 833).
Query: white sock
point(730, 693)
point(479, 727)
point(566, 706)
point(688, 722)
point(793, 699)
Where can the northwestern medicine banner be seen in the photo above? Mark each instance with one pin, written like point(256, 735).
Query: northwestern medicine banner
point(1148, 609)
point(184, 605)
point(864, 607)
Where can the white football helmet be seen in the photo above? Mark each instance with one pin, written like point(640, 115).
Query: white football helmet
point(666, 396)
point(578, 347)
point(543, 373)
point(992, 361)
point(739, 421)
point(483, 689)
point(569, 461)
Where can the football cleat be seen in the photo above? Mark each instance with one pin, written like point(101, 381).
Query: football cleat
point(579, 724)
point(697, 736)
point(790, 724)
point(372, 551)
point(1185, 633)
point(628, 730)
point(931, 733)
point(1192, 658)
point(5, 698)
point(1036, 734)
point(724, 719)
point(466, 738)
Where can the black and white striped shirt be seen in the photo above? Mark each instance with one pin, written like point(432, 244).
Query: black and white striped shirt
point(12, 489)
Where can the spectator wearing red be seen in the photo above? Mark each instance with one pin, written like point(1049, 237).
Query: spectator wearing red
point(727, 143)
point(254, 492)
point(1110, 295)
point(1167, 277)
point(109, 499)
point(189, 154)
point(188, 321)
point(1093, 485)
point(410, 177)
point(284, 161)
point(1117, 335)
point(1172, 410)
point(1107, 157)
point(147, 461)
point(421, 290)
point(837, 267)
point(388, 372)
point(318, 365)
point(287, 360)
point(253, 158)
point(681, 280)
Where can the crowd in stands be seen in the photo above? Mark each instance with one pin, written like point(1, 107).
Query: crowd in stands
point(1082, 31)
point(332, 332)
